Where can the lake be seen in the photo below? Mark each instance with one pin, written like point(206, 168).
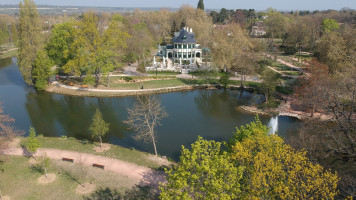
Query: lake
point(212, 114)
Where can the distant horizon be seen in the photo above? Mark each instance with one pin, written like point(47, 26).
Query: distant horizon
point(172, 8)
point(260, 5)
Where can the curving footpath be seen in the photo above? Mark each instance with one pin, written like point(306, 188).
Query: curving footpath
point(132, 171)
point(56, 83)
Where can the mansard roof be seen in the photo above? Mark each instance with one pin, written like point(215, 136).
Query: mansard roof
point(185, 35)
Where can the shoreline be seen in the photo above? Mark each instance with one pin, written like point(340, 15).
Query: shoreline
point(58, 88)
point(282, 112)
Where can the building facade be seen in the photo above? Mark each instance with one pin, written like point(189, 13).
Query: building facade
point(184, 47)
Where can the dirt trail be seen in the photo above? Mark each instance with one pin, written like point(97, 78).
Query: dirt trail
point(139, 173)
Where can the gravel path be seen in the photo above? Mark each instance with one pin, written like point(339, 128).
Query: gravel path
point(139, 173)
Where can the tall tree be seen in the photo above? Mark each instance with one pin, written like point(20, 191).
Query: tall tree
point(41, 70)
point(269, 83)
point(98, 127)
point(200, 5)
point(253, 165)
point(29, 38)
point(275, 24)
point(203, 173)
point(330, 25)
point(310, 92)
point(60, 43)
point(95, 50)
point(144, 117)
point(228, 43)
point(275, 170)
point(331, 51)
point(141, 42)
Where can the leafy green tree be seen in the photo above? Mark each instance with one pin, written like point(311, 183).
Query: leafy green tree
point(275, 24)
point(229, 42)
point(98, 127)
point(255, 165)
point(60, 42)
point(95, 50)
point(203, 173)
point(140, 43)
point(33, 143)
point(29, 38)
point(41, 70)
point(14, 33)
point(4, 34)
point(224, 79)
point(274, 170)
point(332, 51)
point(43, 164)
point(329, 25)
point(201, 5)
point(269, 83)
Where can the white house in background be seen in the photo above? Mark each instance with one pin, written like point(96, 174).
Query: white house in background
point(184, 48)
point(258, 29)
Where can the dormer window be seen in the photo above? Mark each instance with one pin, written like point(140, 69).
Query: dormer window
point(184, 37)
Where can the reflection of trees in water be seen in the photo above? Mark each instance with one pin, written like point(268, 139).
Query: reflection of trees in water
point(221, 104)
point(55, 115)
point(9, 73)
point(5, 62)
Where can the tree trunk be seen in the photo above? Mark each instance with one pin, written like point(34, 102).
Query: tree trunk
point(313, 110)
point(109, 80)
point(154, 143)
point(101, 142)
point(45, 172)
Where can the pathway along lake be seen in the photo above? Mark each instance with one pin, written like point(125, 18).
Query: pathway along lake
point(212, 114)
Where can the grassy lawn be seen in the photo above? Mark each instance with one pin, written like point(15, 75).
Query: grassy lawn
point(19, 180)
point(147, 84)
point(163, 73)
point(117, 152)
point(8, 54)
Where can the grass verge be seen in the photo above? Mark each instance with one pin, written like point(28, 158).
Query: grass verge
point(19, 180)
point(117, 152)
point(8, 54)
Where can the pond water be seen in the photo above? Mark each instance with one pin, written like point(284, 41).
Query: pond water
point(212, 114)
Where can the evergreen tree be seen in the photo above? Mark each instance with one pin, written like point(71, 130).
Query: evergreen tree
point(29, 38)
point(201, 5)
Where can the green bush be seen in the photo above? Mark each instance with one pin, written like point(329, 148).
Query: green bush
point(63, 137)
point(89, 79)
point(127, 78)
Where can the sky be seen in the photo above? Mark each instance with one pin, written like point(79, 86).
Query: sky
point(212, 4)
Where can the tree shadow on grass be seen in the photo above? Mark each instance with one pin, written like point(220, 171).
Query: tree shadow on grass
point(147, 189)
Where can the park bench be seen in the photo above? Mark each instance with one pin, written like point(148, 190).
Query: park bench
point(84, 86)
point(68, 159)
point(98, 165)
